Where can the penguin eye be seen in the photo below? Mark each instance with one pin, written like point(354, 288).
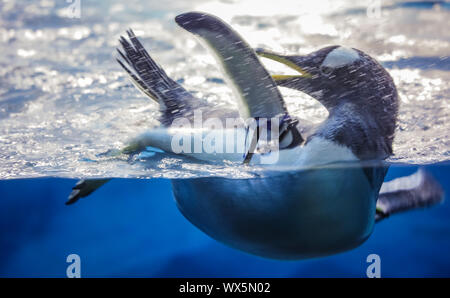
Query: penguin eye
point(326, 71)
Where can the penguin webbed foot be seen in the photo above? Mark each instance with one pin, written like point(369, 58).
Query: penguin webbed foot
point(418, 190)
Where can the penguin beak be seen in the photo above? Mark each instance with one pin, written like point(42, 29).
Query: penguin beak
point(286, 60)
point(301, 64)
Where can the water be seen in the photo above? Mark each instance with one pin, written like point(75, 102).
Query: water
point(133, 228)
point(64, 100)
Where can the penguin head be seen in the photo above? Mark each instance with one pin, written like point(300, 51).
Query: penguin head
point(336, 75)
point(351, 85)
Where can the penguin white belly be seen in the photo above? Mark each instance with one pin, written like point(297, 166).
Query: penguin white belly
point(318, 151)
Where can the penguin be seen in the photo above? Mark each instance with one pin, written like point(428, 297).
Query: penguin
point(330, 202)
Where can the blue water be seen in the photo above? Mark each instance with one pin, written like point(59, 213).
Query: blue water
point(132, 228)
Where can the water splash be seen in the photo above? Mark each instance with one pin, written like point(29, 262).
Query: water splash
point(64, 100)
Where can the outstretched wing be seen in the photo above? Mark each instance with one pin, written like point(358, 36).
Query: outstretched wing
point(257, 94)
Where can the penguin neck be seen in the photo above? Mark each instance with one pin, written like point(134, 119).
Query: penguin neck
point(354, 127)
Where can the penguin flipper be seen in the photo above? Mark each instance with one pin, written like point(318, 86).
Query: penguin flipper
point(150, 78)
point(415, 191)
point(83, 188)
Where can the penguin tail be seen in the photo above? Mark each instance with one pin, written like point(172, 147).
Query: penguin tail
point(149, 77)
point(415, 191)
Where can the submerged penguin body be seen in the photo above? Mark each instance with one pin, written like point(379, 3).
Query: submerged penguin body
point(290, 215)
